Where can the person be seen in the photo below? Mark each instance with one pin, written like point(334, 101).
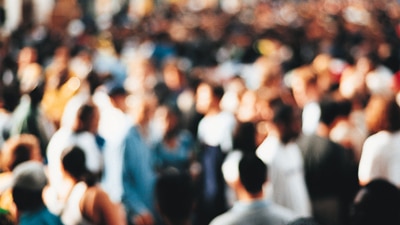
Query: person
point(5, 113)
point(29, 117)
point(85, 202)
point(83, 135)
point(215, 135)
point(113, 126)
point(16, 150)
point(29, 180)
point(380, 152)
point(330, 173)
point(175, 197)
point(176, 147)
point(376, 203)
point(346, 132)
point(283, 157)
point(307, 93)
point(246, 174)
point(138, 174)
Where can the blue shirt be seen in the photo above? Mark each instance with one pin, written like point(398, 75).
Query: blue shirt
point(42, 216)
point(177, 157)
point(138, 176)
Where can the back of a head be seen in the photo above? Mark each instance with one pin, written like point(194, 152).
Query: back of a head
point(175, 196)
point(252, 173)
point(329, 111)
point(29, 179)
point(377, 203)
point(287, 118)
point(87, 118)
point(73, 161)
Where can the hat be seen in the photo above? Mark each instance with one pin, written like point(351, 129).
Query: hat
point(29, 175)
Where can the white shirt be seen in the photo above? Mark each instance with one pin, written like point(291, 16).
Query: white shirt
point(286, 184)
point(71, 213)
point(217, 130)
point(113, 127)
point(380, 158)
point(310, 117)
point(64, 138)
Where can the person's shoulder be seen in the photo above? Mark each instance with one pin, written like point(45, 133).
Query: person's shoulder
point(227, 218)
point(281, 212)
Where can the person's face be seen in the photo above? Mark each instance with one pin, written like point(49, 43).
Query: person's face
point(203, 98)
point(299, 91)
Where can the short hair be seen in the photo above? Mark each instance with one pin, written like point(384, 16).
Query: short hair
point(329, 111)
point(73, 160)
point(85, 117)
point(376, 203)
point(287, 117)
point(252, 173)
point(29, 179)
point(175, 195)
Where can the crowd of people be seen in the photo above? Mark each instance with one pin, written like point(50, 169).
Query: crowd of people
point(201, 112)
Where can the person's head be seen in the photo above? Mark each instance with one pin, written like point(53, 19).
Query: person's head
point(29, 179)
point(287, 120)
point(304, 85)
point(27, 55)
point(87, 118)
point(173, 75)
point(32, 82)
point(18, 149)
point(141, 107)
point(329, 111)
point(118, 96)
point(245, 172)
point(175, 196)
point(382, 113)
point(252, 173)
point(376, 203)
point(73, 160)
point(168, 117)
point(208, 96)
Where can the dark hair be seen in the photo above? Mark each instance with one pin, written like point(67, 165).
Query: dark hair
point(287, 120)
point(376, 203)
point(217, 91)
point(84, 117)
point(27, 200)
point(175, 196)
point(74, 162)
point(173, 111)
point(252, 173)
point(329, 111)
